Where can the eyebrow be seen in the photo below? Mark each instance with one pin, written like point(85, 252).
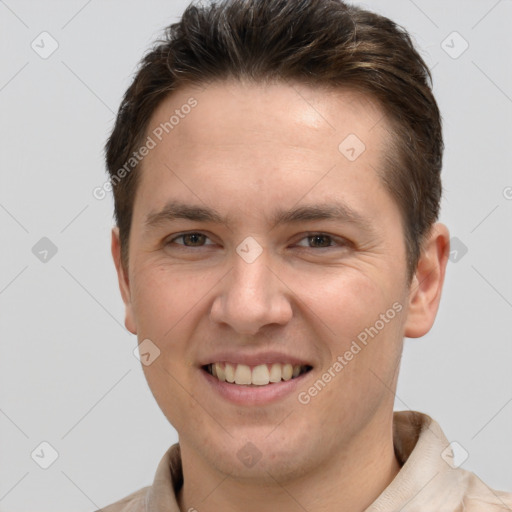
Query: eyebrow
point(328, 211)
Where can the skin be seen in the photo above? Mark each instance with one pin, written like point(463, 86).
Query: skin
point(245, 150)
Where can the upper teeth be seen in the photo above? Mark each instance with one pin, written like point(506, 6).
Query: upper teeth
point(259, 375)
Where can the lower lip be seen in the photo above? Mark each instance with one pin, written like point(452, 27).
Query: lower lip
point(254, 395)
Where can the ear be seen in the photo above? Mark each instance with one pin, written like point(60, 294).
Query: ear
point(427, 283)
point(124, 283)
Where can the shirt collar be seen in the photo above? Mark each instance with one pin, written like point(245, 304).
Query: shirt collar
point(426, 478)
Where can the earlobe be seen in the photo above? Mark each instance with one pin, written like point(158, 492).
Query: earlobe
point(426, 286)
point(123, 279)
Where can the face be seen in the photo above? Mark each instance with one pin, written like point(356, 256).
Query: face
point(262, 237)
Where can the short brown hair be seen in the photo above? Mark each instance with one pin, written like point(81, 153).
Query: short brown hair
point(315, 42)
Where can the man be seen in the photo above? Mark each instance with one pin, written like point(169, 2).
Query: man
point(276, 174)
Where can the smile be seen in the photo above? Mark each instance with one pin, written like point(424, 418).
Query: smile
point(259, 375)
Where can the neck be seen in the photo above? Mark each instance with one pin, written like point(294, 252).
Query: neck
point(354, 478)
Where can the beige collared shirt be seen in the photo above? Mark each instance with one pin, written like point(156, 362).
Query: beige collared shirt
point(428, 481)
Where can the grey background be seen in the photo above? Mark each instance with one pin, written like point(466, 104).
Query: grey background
point(68, 375)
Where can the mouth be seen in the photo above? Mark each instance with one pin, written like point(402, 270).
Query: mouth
point(259, 375)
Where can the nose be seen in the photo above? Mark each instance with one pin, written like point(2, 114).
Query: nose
point(251, 297)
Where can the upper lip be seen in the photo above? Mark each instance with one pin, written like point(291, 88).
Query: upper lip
point(268, 357)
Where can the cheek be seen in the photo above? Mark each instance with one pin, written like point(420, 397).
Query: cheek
point(359, 320)
point(345, 301)
point(162, 298)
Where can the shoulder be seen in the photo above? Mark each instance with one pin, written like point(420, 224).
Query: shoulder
point(479, 497)
point(134, 502)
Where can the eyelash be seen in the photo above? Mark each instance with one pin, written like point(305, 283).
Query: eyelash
point(335, 240)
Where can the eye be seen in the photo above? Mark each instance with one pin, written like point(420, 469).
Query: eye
point(190, 240)
point(322, 241)
point(310, 241)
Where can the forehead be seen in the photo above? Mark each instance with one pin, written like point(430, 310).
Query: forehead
point(227, 112)
point(281, 140)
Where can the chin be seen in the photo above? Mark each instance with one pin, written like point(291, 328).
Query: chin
point(260, 457)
